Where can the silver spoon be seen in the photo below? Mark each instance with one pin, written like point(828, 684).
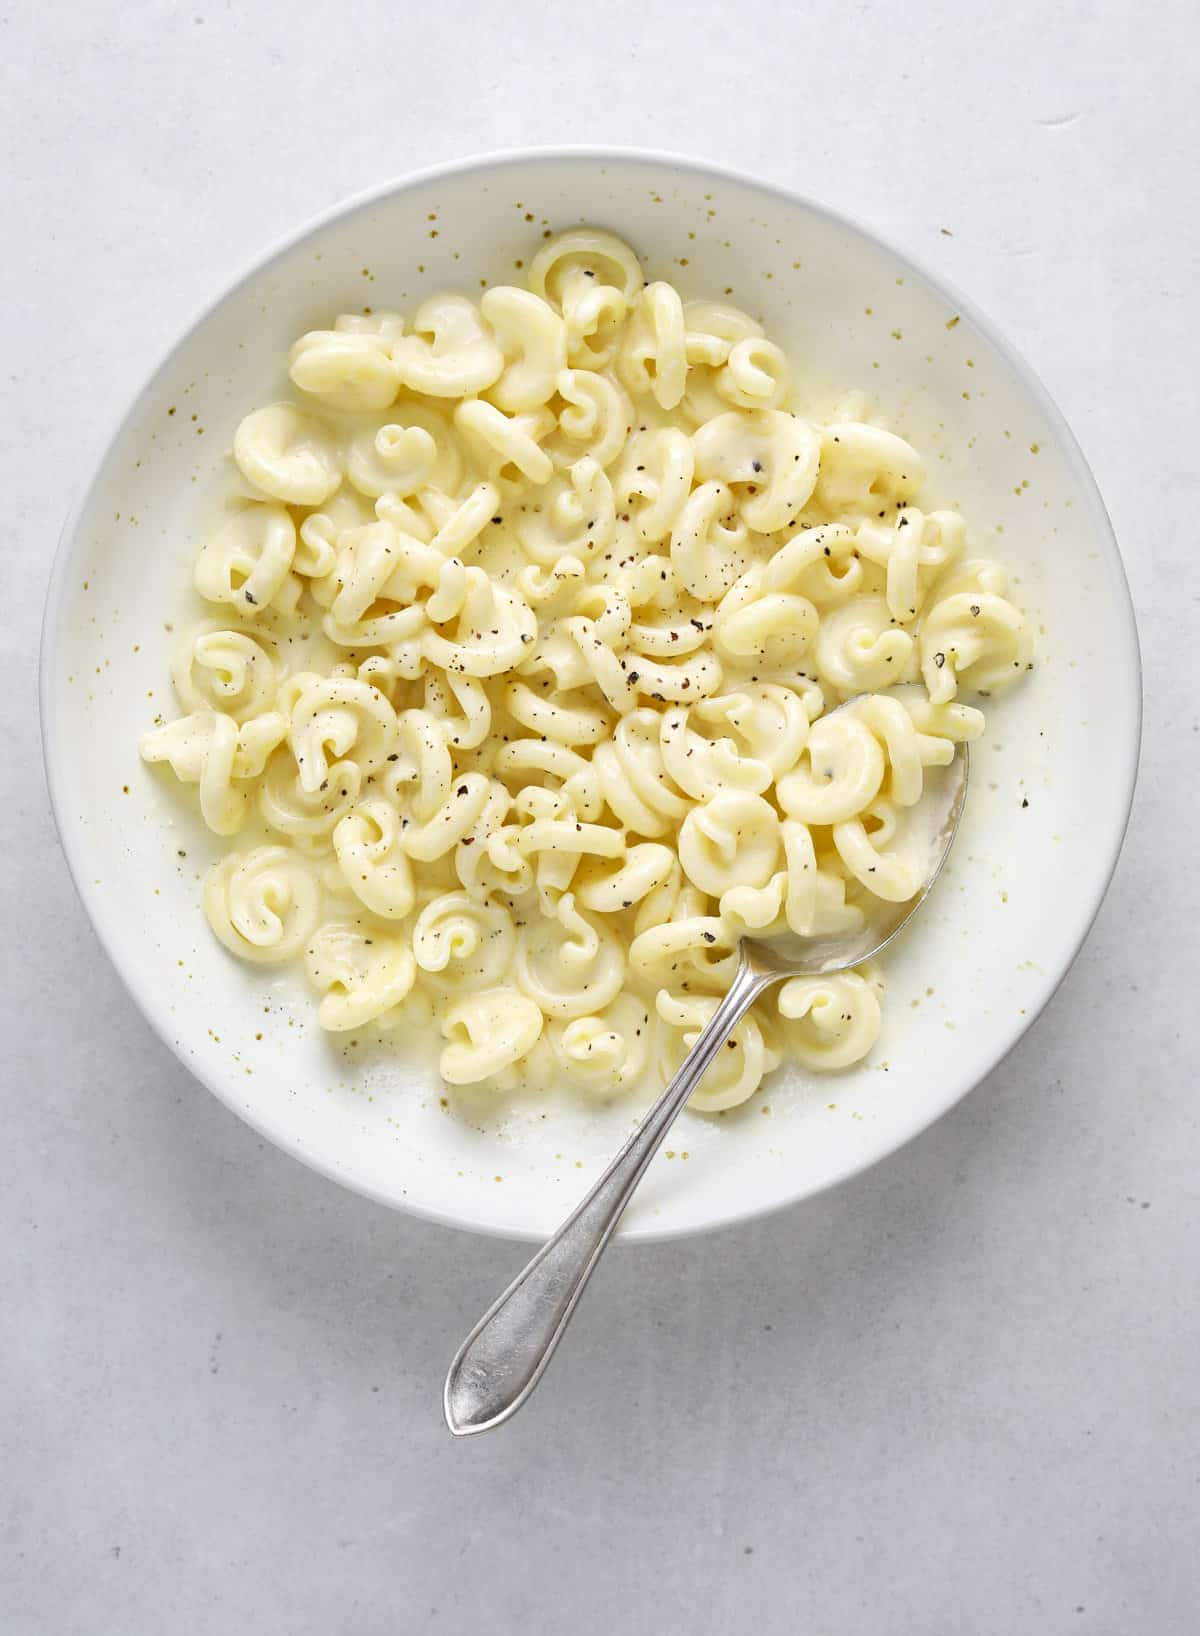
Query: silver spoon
point(504, 1356)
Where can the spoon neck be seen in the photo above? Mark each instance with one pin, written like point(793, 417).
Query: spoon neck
point(753, 976)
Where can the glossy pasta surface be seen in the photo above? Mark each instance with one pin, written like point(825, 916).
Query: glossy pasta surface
point(515, 696)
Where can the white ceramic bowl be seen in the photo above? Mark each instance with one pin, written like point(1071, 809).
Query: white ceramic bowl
point(1024, 881)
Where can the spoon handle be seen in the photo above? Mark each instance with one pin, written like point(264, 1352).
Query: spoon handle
point(503, 1357)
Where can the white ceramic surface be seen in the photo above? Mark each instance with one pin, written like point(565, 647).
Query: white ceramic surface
point(1025, 879)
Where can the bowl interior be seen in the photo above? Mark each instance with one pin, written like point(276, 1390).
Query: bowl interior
point(1050, 782)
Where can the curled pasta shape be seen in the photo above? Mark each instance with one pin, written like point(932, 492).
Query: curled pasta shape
point(461, 521)
point(555, 839)
point(702, 766)
point(305, 815)
point(287, 455)
point(507, 448)
point(656, 473)
point(736, 1073)
point(257, 738)
point(652, 358)
point(710, 542)
point(960, 723)
point(773, 629)
point(599, 653)
point(381, 671)
point(593, 278)
point(451, 822)
point(399, 454)
point(229, 671)
point(815, 901)
point(497, 867)
point(345, 369)
point(767, 457)
point(976, 636)
point(867, 846)
point(439, 806)
point(648, 583)
point(622, 681)
point(209, 749)
point(701, 402)
point(714, 328)
point(660, 904)
point(592, 314)
point(479, 627)
point(447, 692)
point(680, 630)
point(766, 728)
point(769, 722)
point(607, 1051)
point(568, 965)
point(450, 353)
point(373, 863)
point(472, 867)
point(346, 717)
point(533, 340)
point(576, 516)
point(730, 840)
point(639, 870)
point(860, 649)
point(359, 977)
point(633, 776)
point(701, 946)
point(520, 757)
point(594, 418)
point(571, 719)
point(262, 904)
point(559, 830)
point(864, 468)
point(408, 516)
point(818, 564)
point(465, 943)
point(392, 459)
point(585, 252)
point(909, 752)
point(248, 561)
point(315, 555)
point(914, 548)
point(550, 588)
point(839, 773)
point(319, 539)
point(377, 577)
point(487, 1033)
point(756, 908)
point(832, 1022)
point(755, 375)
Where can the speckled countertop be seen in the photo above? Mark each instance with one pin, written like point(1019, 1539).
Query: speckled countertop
point(959, 1394)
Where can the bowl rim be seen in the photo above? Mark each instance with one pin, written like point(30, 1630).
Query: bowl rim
point(1125, 762)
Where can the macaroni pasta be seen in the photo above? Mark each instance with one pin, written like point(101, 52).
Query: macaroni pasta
point(514, 697)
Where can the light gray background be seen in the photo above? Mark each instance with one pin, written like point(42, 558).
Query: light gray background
point(957, 1396)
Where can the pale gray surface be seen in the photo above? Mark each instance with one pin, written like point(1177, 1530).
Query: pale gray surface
point(958, 1396)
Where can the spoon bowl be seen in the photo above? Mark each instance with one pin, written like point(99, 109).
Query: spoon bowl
point(505, 1355)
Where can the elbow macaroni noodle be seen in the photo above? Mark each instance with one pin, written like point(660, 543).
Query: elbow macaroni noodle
point(516, 680)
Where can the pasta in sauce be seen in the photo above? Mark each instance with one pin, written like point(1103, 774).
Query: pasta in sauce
point(514, 700)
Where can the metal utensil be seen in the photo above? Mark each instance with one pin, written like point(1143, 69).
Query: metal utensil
point(503, 1357)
